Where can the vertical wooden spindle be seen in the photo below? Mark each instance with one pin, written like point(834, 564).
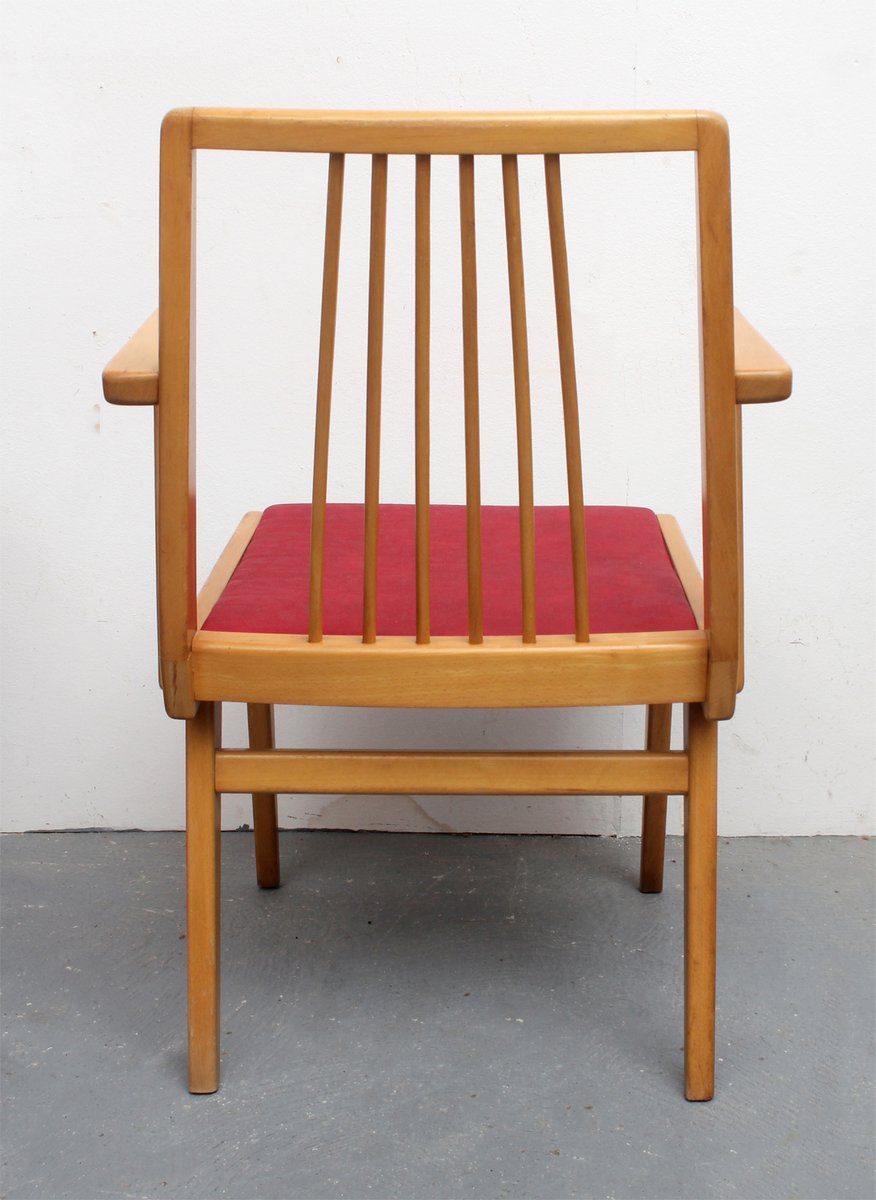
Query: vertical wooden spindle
point(514, 241)
point(328, 319)
point(470, 387)
point(421, 387)
point(569, 386)
point(376, 277)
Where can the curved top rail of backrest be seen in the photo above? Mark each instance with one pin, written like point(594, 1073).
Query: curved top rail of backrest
point(442, 132)
point(464, 134)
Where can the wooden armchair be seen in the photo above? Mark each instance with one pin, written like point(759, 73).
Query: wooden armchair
point(440, 606)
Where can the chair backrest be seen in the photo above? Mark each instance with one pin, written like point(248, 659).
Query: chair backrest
point(463, 136)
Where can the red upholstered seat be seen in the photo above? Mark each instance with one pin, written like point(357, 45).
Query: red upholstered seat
point(633, 586)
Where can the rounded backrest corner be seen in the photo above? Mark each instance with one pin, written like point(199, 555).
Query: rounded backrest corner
point(713, 123)
point(176, 120)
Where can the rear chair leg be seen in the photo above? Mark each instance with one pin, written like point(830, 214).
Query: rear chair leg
point(700, 884)
point(202, 896)
point(260, 718)
point(654, 807)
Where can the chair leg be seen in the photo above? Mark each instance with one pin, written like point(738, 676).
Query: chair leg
point(700, 883)
point(260, 718)
point(202, 896)
point(654, 806)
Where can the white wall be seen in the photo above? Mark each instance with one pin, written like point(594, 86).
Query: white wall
point(85, 739)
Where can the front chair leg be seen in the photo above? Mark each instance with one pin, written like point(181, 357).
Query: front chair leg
point(700, 886)
point(260, 718)
point(202, 896)
point(654, 806)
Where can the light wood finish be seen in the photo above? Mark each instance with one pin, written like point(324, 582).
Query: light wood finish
point(325, 370)
point(740, 665)
point(762, 375)
point(569, 385)
point(470, 386)
point(720, 535)
point(582, 133)
point(260, 722)
point(155, 510)
point(656, 668)
point(226, 564)
point(685, 567)
point(757, 373)
point(176, 532)
point(202, 897)
point(131, 376)
point(700, 891)
point(422, 323)
point(444, 133)
point(374, 387)
point(659, 728)
point(523, 409)
point(199, 670)
point(442, 774)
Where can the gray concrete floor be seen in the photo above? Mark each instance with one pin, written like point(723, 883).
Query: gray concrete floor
point(435, 1016)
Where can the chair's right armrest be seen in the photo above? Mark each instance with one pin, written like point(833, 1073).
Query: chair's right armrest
point(131, 377)
point(762, 375)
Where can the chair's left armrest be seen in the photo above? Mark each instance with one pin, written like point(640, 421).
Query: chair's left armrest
point(131, 377)
point(762, 374)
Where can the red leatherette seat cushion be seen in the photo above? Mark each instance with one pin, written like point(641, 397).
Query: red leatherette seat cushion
point(633, 587)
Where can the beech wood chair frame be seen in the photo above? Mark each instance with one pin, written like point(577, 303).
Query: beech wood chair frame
point(199, 670)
